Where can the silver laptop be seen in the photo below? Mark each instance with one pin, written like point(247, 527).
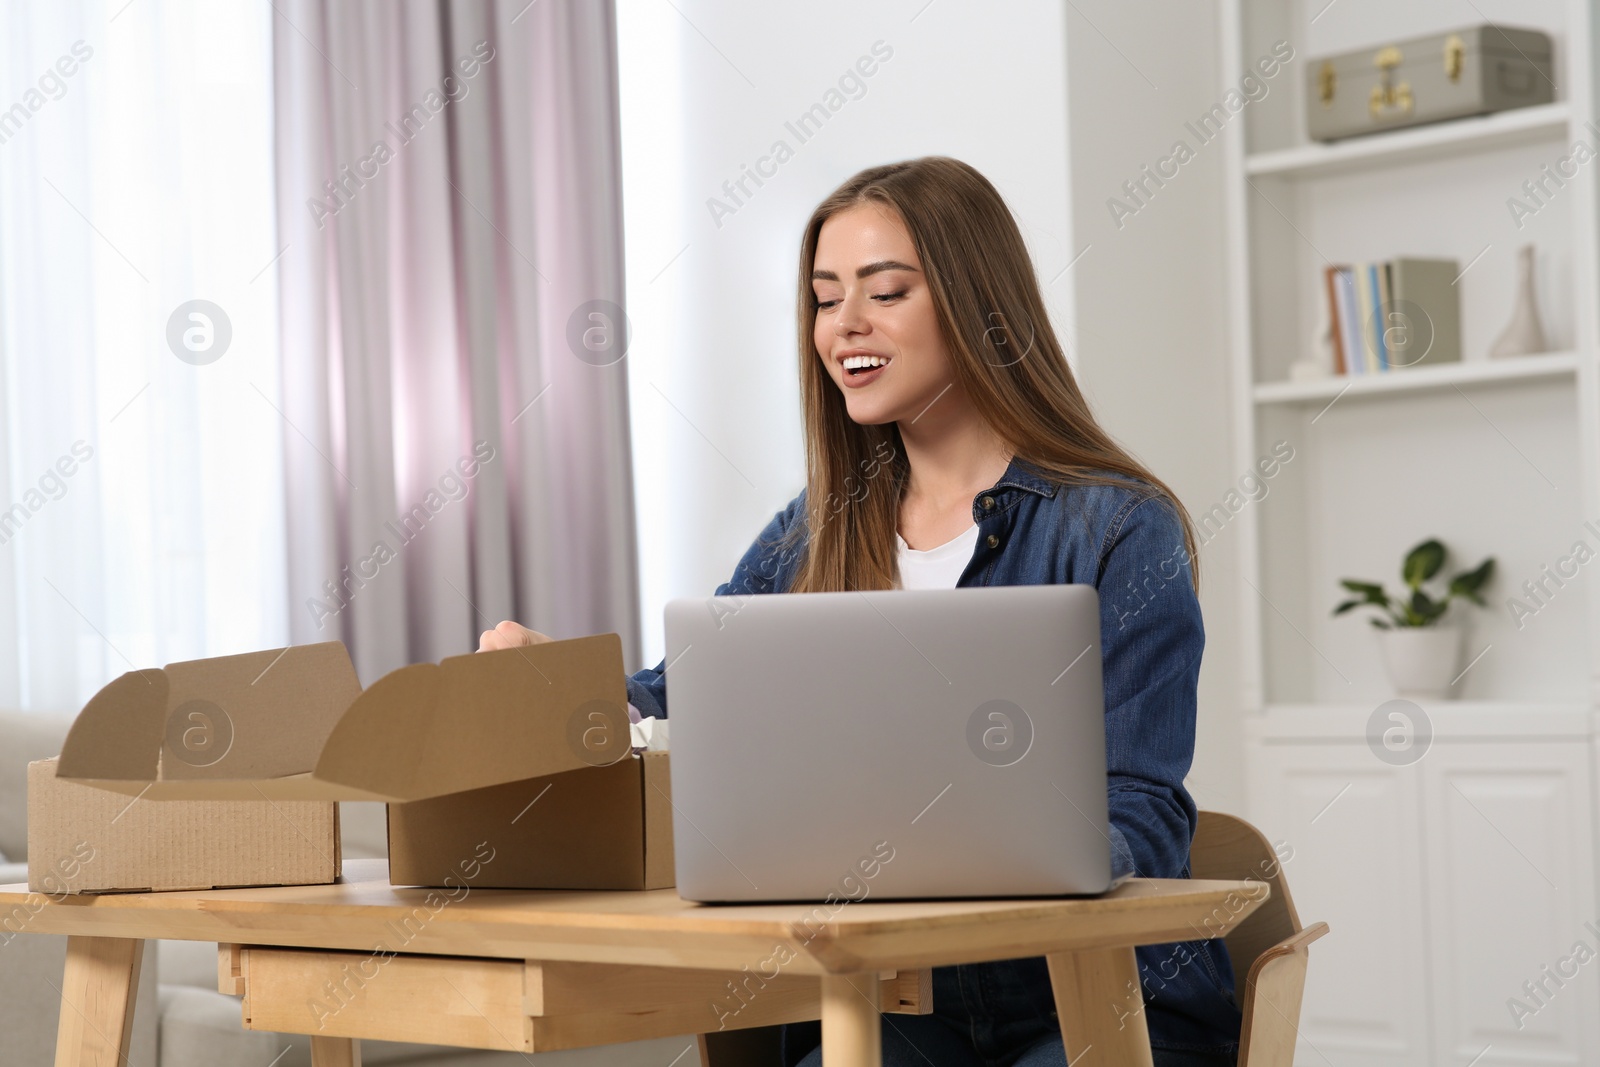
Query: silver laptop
point(895, 744)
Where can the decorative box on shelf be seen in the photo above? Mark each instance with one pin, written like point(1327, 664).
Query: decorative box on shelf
point(1473, 71)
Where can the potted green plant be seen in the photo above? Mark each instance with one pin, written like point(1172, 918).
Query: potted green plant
point(1421, 647)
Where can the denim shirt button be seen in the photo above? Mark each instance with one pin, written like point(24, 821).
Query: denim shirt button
point(994, 541)
point(988, 503)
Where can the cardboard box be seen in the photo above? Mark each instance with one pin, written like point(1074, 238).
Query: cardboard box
point(597, 828)
point(84, 840)
point(294, 725)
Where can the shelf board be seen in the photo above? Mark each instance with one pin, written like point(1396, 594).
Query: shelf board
point(1506, 128)
point(1415, 379)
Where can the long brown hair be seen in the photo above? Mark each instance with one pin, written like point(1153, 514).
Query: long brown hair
point(1005, 355)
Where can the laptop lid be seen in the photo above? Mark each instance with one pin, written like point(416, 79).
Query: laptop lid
point(907, 744)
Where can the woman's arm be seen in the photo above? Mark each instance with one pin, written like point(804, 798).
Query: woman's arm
point(1151, 637)
point(764, 564)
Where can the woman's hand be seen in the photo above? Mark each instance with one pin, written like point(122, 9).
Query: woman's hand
point(509, 635)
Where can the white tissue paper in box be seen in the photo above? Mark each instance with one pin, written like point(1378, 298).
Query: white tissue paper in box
point(649, 734)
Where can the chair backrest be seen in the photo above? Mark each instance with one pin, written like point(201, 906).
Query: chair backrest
point(1229, 849)
point(1268, 948)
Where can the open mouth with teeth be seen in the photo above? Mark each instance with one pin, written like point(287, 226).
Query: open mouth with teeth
point(855, 366)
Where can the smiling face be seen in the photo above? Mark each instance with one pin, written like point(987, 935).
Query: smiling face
point(874, 306)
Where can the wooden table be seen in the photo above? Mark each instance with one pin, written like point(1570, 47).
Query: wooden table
point(541, 969)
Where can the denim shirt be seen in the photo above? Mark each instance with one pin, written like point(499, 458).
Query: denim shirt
point(1127, 542)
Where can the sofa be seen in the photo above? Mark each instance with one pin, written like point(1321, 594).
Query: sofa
point(180, 1019)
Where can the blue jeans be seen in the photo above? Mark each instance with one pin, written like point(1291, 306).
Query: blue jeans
point(986, 1016)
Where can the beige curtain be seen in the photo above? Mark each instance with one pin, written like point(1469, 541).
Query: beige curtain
point(449, 216)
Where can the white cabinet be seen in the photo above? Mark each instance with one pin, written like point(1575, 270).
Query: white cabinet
point(1355, 826)
point(1448, 882)
point(1507, 831)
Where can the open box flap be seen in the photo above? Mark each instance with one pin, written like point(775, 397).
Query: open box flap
point(484, 719)
point(258, 715)
point(117, 735)
point(287, 787)
point(293, 724)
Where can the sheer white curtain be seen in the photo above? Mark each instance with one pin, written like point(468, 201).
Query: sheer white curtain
point(141, 494)
point(449, 200)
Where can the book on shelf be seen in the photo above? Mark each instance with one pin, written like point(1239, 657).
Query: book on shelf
point(1351, 353)
point(1370, 317)
point(1330, 279)
point(1399, 313)
point(1377, 274)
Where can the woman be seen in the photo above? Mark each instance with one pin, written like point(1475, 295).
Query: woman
point(947, 444)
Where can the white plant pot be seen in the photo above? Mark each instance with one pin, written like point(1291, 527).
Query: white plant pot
point(1422, 660)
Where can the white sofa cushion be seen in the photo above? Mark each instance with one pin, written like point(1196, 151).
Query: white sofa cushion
point(30, 1001)
point(25, 736)
point(191, 963)
point(200, 1027)
point(363, 829)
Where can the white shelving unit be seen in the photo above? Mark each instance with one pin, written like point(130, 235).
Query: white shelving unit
point(1439, 141)
point(1439, 376)
point(1449, 880)
point(1527, 426)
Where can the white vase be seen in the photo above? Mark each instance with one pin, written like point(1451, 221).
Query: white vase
point(1524, 334)
point(1422, 660)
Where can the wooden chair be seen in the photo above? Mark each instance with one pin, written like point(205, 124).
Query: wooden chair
point(1269, 948)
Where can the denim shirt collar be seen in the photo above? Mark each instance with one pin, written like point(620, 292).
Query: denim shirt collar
point(1020, 475)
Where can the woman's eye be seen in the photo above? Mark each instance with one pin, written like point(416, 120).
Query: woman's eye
point(824, 305)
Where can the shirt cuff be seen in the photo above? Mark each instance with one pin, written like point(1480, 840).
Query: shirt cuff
point(1121, 855)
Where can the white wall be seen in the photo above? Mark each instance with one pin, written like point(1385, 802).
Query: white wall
point(1152, 328)
point(716, 411)
point(717, 444)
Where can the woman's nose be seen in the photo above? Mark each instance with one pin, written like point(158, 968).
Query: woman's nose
point(850, 319)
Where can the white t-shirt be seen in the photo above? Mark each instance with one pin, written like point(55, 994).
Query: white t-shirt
point(939, 567)
point(931, 568)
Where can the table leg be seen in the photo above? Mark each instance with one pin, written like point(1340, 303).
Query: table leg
point(98, 987)
point(850, 1024)
point(335, 1052)
point(1100, 1007)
